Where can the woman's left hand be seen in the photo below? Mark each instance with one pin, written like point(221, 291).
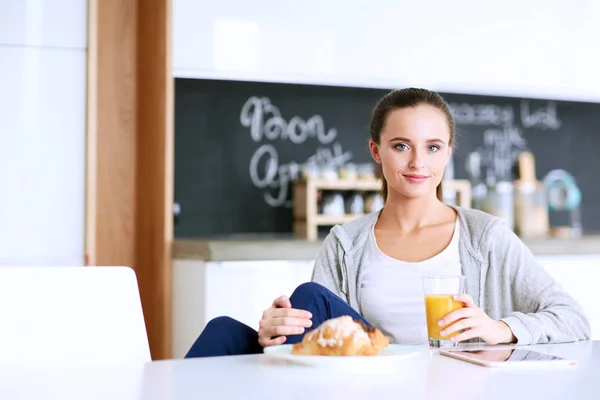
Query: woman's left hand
point(475, 323)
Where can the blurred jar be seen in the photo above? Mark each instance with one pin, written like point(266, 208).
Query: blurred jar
point(373, 202)
point(333, 204)
point(366, 171)
point(329, 172)
point(531, 210)
point(349, 171)
point(310, 171)
point(355, 204)
point(500, 202)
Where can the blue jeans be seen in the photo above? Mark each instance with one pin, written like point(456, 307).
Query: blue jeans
point(226, 336)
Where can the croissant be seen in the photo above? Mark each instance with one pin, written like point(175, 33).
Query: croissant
point(342, 336)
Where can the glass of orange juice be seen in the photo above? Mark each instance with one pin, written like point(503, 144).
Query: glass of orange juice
point(438, 292)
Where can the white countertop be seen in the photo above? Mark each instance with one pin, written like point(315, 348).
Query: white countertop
point(426, 376)
point(239, 248)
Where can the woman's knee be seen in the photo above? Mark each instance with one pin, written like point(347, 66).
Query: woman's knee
point(309, 289)
point(222, 323)
point(224, 336)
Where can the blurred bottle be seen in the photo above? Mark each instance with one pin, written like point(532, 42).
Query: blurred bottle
point(531, 206)
point(478, 188)
point(500, 202)
point(448, 194)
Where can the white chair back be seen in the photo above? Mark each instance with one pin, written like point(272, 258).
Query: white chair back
point(71, 315)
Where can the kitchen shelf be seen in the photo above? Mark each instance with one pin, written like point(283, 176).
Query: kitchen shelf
point(306, 192)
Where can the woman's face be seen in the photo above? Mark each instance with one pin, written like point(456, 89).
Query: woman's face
point(413, 150)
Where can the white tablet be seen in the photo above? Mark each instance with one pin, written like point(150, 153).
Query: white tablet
point(507, 357)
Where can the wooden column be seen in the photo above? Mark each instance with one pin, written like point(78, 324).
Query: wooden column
point(154, 186)
point(129, 151)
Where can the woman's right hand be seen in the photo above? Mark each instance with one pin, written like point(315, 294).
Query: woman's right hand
point(281, 320)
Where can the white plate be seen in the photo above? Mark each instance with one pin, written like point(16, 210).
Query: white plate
point(388, 357)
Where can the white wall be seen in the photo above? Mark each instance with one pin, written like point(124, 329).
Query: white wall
point(534, 48)
point(42, 131)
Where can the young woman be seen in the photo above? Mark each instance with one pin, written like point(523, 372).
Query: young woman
point(371, 268)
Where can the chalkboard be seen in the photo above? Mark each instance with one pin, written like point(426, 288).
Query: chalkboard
point(226, 131)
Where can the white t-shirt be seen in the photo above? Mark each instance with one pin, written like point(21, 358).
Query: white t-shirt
point(392, 292)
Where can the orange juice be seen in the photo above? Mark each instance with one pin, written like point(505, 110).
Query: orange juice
point(437, 306)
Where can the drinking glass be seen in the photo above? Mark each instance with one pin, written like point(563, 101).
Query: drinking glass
point(439, 302)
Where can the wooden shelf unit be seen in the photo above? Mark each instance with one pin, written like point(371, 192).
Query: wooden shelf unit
point(305, 193)
point(306, 217)
point(462, 187)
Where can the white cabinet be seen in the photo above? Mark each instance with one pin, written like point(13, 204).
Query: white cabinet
point(44, 23)
point(580, 276)
point(239, 289)
point(43, 80)
point(476, 48)
point(244, 289)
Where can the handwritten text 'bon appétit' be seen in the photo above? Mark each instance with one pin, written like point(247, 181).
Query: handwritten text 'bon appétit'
point(266, 123)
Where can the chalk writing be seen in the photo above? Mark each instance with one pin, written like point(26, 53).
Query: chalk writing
point(503, 140)
point(264, 120)
point(266, 170)
point(543, 117)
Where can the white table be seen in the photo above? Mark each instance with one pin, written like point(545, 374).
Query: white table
point(427, 376)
